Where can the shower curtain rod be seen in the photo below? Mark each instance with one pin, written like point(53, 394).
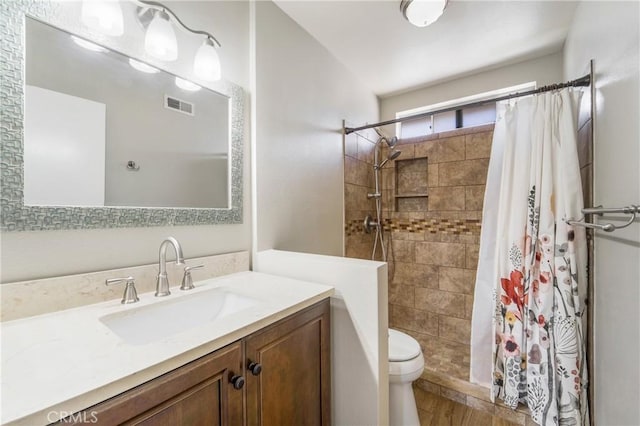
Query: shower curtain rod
point(580, 82)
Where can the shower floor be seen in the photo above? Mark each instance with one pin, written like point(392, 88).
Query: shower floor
point(449, 361)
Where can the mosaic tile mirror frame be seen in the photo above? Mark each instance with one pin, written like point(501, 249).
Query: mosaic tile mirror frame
point(14, 215)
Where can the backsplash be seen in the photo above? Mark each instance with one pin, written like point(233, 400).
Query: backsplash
point(28, 298)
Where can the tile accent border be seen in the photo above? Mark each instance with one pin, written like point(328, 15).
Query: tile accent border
point(36, 297)
point(14, 215)
point(432, 226)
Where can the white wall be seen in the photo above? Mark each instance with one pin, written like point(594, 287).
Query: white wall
point(544, 70)
point(608, 32)
point(27, 255)
point(359, 331)
point(302, 94)
point(66, 137)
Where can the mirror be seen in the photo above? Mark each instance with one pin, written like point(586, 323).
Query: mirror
point(99, 212)
point(102, 129)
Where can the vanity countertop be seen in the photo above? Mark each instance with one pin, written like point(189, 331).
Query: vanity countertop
point(60, 363)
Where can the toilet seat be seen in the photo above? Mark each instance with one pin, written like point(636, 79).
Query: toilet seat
point(406, 370)
point(402, 347)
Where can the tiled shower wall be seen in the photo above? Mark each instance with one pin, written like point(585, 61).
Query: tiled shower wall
point(358, 182)
point(435, 241)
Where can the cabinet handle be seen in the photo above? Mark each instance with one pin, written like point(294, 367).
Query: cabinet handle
point(255, 367)
point(237, 382)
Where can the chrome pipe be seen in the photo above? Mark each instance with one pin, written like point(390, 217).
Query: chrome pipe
point(632, 210)
point(579, 82)
point(601, 210)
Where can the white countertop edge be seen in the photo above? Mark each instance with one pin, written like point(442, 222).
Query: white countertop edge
point(54, 413)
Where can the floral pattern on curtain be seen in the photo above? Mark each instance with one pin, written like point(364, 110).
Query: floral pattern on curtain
point(539, 357)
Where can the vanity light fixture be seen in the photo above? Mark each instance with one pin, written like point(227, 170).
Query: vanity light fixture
point(187, 85)
point(104, 16)
point(87, 44)
point(422, 13)
point(160, 40)
point(140, 66)
point(206, 64)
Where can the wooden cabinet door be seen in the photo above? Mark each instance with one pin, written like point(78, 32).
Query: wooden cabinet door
point(293, 387)
point(200, 393)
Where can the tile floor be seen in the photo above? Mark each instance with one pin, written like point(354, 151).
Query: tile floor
point(435, 410)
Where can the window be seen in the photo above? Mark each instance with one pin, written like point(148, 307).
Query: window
point(455, 119)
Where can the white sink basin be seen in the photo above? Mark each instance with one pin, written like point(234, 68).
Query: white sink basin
point(146, 324)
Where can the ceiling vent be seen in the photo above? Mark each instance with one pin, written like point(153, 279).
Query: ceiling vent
point(178, 105)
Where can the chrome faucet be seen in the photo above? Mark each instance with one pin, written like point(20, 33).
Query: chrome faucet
point(162, 285)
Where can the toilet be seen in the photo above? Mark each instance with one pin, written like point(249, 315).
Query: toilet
point(406, 364)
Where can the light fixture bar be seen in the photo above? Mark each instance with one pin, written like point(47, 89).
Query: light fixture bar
point(160, 6)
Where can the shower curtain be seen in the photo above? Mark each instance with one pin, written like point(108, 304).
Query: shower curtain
point(528, 318)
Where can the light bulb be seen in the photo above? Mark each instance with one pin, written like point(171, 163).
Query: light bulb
point(104, 16)
point(206, 64)
point(87, 44)
point(143, 67)
point(424, 12)
point(160, 39)
point(187, 85)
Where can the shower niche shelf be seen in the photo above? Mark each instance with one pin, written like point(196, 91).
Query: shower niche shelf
point(411, 184)
point(411, 195)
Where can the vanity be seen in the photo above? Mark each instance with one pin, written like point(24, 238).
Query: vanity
point(245, 348)
point(241, 347)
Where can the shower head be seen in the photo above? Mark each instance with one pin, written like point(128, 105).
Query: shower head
point(391, 142)
point(392, 156)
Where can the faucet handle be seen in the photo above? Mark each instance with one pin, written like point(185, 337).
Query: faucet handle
point(187, 281)
point(130, 294)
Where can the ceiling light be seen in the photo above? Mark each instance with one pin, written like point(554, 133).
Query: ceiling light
point(104, 16)
point(140, 66)
point(87, 44)
point(187, 85)
point(422, 12)
point(206, 64)
point(160, 39)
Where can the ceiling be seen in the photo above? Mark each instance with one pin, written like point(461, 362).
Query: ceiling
point(392, 56)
